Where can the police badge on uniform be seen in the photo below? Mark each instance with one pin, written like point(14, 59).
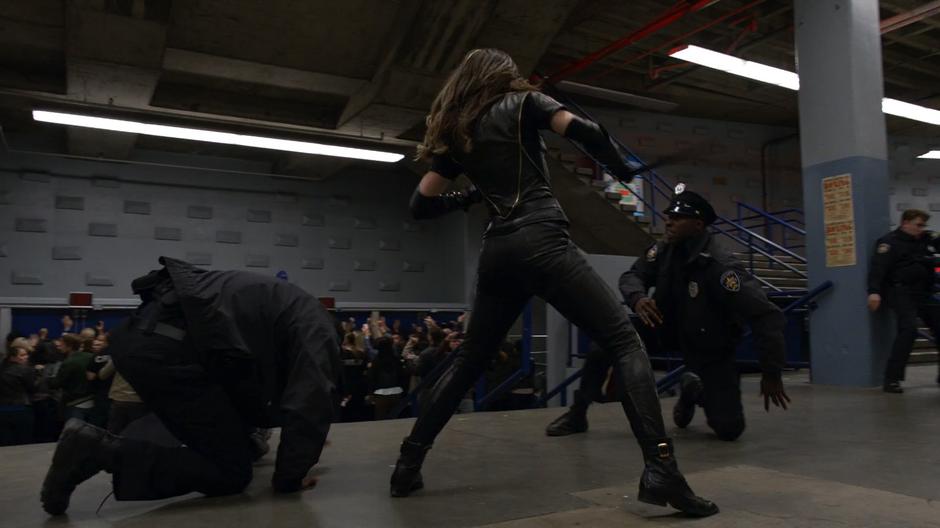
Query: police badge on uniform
point(651, 254)
point(731, 281)
point(693, 289)
point(884, 248)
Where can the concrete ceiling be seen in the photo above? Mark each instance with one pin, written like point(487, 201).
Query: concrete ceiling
point(365, 71)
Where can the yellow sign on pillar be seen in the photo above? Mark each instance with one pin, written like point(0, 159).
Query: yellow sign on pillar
point(839, 220)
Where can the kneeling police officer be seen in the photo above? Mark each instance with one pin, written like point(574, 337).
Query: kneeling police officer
point(702, 299)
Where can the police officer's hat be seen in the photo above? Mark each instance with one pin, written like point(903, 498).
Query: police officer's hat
point(688, 203)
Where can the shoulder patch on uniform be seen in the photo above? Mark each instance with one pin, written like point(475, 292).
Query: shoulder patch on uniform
point(884, 247)
point(693, 289)
point(731, 281)
point(651, 253)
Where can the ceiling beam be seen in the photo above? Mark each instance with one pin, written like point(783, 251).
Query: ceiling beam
point(122, 69)
point(206, 65)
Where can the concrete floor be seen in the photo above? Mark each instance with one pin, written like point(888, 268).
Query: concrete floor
point(839, 457)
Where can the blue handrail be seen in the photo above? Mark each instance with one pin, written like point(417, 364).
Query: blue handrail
point(768, 216)
point(764, 241)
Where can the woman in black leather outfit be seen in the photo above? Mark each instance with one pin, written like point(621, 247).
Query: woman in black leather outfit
point(485, 123)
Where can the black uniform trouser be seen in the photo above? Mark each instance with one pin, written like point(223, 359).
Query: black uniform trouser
point(720, 398)
point(540, 259)
point(216, 457)
point(907, 307)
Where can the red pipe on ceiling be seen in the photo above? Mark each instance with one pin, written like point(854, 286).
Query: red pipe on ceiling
point(915, 15)
point(671, 42)
point(667, 18)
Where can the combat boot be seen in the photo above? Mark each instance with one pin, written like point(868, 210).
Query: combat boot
point(83, 450)
point(684, 410)
point(572, 422)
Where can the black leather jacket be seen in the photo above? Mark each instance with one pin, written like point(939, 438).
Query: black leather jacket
point(285, 339)
point(507, 163)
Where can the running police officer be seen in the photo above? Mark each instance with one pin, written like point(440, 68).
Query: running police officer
point(702, 299)
point(902, 276)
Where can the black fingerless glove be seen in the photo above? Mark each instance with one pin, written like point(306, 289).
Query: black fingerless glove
point(424, 207)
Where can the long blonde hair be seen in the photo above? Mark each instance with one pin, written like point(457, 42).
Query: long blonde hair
point(482, 77)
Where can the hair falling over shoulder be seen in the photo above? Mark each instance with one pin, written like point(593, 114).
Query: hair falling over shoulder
point(483, 76)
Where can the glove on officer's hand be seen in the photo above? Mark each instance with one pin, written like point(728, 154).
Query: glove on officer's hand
point(771, 388)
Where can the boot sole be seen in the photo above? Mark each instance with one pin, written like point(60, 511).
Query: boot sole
point(564, 433)
point(414, 487)
point(650, 498)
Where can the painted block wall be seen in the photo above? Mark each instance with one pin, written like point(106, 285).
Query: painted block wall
point(75, 225)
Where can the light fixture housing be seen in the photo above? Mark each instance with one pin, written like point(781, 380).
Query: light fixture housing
point(787, 79)
point(737, 66)
point(212, 136)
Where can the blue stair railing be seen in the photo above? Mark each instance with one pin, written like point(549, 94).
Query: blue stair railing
point(660, 187)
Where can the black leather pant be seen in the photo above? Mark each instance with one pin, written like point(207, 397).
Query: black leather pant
point(908, 306)
point(540, 259)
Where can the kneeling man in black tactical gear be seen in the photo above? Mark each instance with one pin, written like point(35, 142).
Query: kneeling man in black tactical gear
point(703, 298)
point(215, 355)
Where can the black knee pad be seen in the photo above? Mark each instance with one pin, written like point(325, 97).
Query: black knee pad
point(728, 430)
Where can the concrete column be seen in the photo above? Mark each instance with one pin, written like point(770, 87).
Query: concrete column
point(842, 131)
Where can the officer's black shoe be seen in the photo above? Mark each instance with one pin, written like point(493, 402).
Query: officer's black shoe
point(662, 483)
point(684, 410)
point(572, 422)
point(407, 475)
point(83, 450)
point(893, 387)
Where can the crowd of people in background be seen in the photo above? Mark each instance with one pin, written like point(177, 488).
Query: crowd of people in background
point(46, 380)
point(384, 365)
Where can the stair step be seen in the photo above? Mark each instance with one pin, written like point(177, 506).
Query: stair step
point(792, 283)
point(759, 257)
point(924, 356)
point(779, 272)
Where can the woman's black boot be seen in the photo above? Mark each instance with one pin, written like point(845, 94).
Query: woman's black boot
point(662, 482)
point(407, 475)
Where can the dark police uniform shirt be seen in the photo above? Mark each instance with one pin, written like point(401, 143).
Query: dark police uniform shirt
point(706, 297)
point(903, 261)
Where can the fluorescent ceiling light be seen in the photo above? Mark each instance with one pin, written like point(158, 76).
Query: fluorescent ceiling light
point(933, 154)
point(788, 79)
point(744, 68)
point(910, 111)
point(210, 136)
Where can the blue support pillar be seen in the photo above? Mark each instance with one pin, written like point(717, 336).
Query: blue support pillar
point(842, 132)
